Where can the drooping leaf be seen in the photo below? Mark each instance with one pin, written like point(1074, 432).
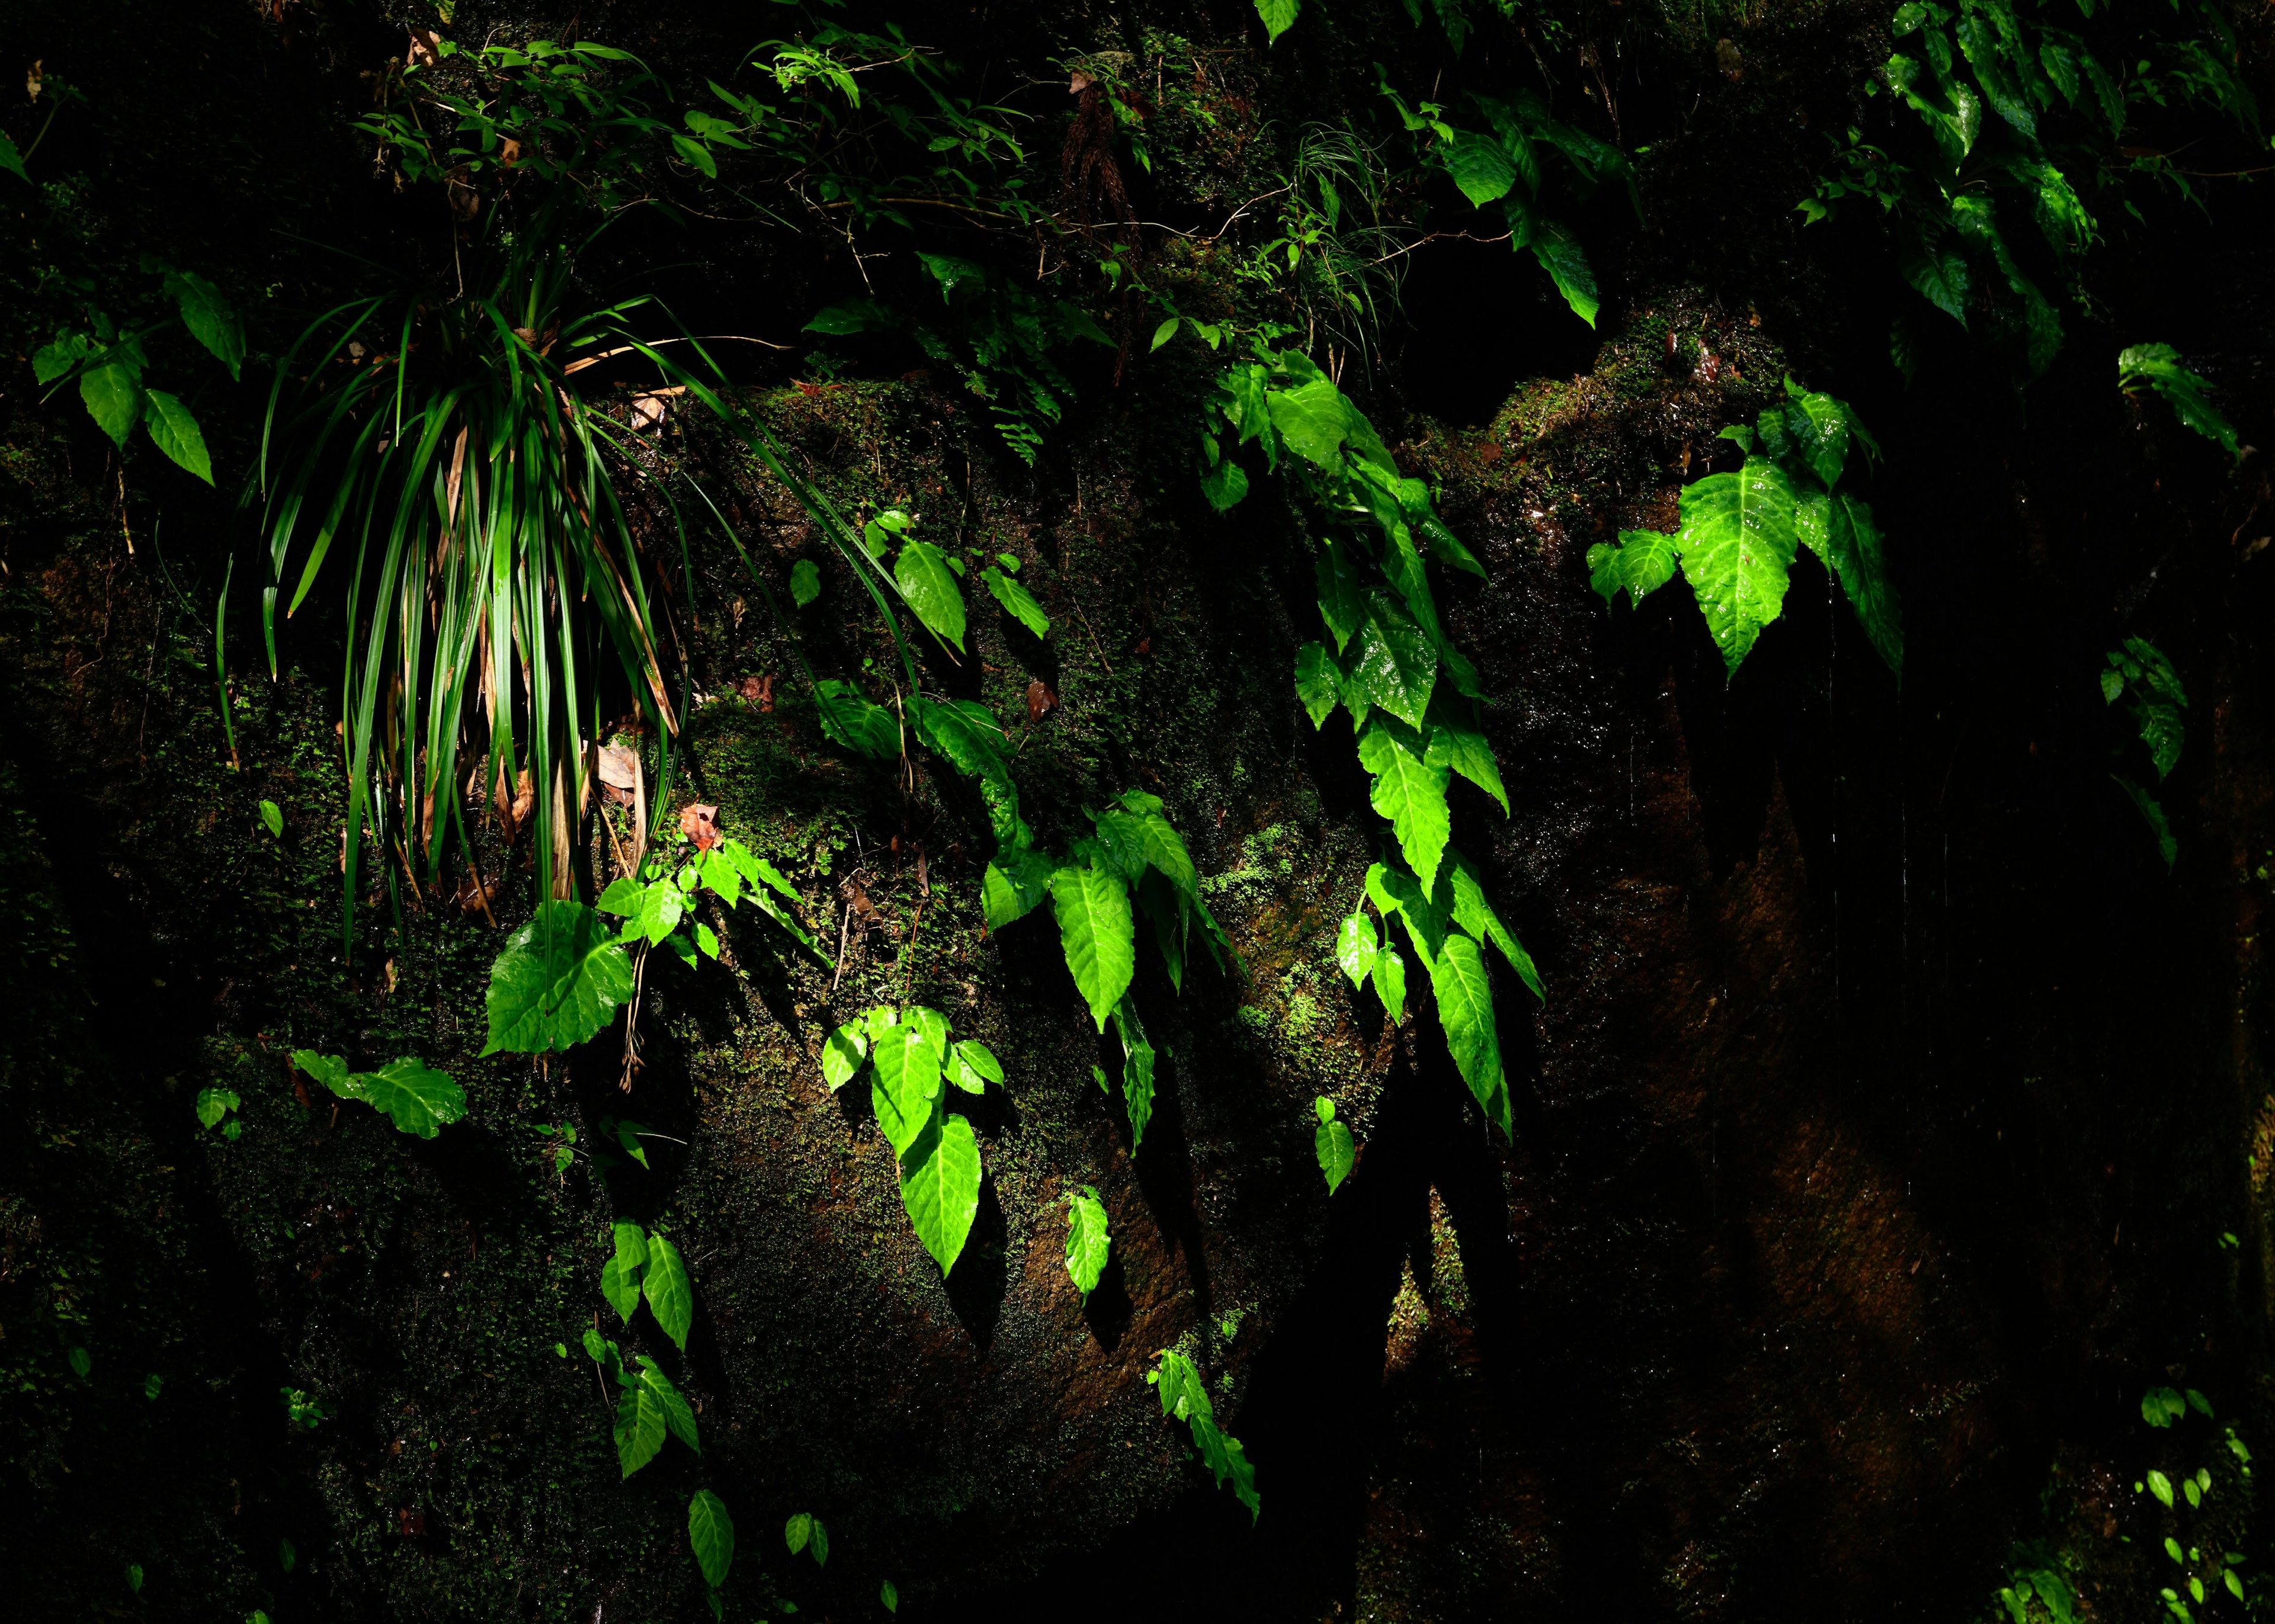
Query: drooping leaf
point(1457, 742)
point(1409, 792)
point(1859, 561)
point(175, 432)
point(213, 1104)
point(559, 980)
point(1088, 1242)
point(640, 1428)
point(965, 733)
point(1342, 594)
point(418, 1101)
point(1097, 935)
point(1560, 255)
point(112, 393)
point(1017, 879)
point(1393, 662)
point(1480, 167)
point(1642, 563)
point(630, 1244)
point(855, 720)
point(1017, 601)
point(2167, 847)
point(929, 586)
point(1473, 912)
point(1332, 1143)
point(678, 1415)
point(1737, 545)
point(905, 1083)
point(804, 587)
point(208, 316)
point(650, 911)
point(940, 1187)
point(1466, 1009)
point(670, 1298)
point(710, 1533)
point(1318, 681)
point(843, 1056)
point(1278, 16)
point(1390, 982)
point(797, 1530)
point(1357, 942)
point(972, 1065)
point(1137, 1071)
point(620, 1289)
point(2158, 365)
point(1312, 420)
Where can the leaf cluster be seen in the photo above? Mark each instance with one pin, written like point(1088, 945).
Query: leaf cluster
point(1184, 1397)
point(910, 1059)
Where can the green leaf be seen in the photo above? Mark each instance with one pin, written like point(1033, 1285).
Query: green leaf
point(1224, 485)
point(1409, 792)
point(2161, 1486)
point(2186, 392)
point(678, 1418)
point(799, 1531)
point(965, 734)
point(1356, 943)
point(416, 1099)
point(1394, 661)
point(1560, 255)
point(1163, 334)
point(1137, 1072)
point(1017, 601)
point(1098, 934)
point(631, 1242)
point(972, 1065)
point(843, 1056)
point(711, 1532)
point(929, 586)
point(640, 1428)
point(855, 720)
point(904, 1083)
point(2167, 846)
point(272, 819)
point(12, 161)
point(1279, 16)
point(1390, 982)
point(1642, 563)
point(1457, 742)
point(55, 360)
point(670, 1298)
point(1480, 167)
point(804, 587)
point(1318, 681)
point(558, 981)
point(1466, 1009)
point(113, 393)
point(1017, 879)
point(209, 318)
point(1737, 544)
point(175, 432)
point(1473, 912)
point(620, 1289)
point(888, 1596)
point(215, 1102)
point(940, 1187)
point(1396, 892)
point(1332, 1141)
point(650, 911)
point(1312, 420)
point(1087, 1240)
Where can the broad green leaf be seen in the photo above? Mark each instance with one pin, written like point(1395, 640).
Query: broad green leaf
point(1466, 1009)
point(940, 1187)
point(711, 1532)
point(1342, 594)
point(797, 1530)
point(1331, 1141)
point(1390, 982)
point(972, 1065)
point(1480, 167)
point(1137, 1072)
point(558, 981)
point(1017, 601)
point(929, 586)
point(1737, 544)
point(1409, 792)
point(1278, 16)
point(967, 735)
point(1473, 912)
point(1312, 420)
point(1642, 563)
point(933, 1026)
point(1456, 742)
point(804, 587)
point(418, 1101)
point(1087, 1240)
point(272, 819)
point(843, 1054)
point(670, 1298)
point(1394, 661)
point(905, 1083)
point(328, 1069)
point(1560, 255)
point(650, 911)
point(175, 432)
point(888, 1596)
point(2160, 1485)
point(1097, 935)
point(1017, 879)
point(215, 1102)
point(1822, 431)
point(1163, 334)
point(1318, 681)
point(855, 720)
point(640, 1428)
point(1938, 275)
point(2158, 365)
point(1224, 485)
point(113, 395)
point(678, 1417)
point(1860, 563)
point(12, 161)
point(53, 360)
point(209, 318)
point(1356, 943)
point(631, 1242)
point(619, 1288)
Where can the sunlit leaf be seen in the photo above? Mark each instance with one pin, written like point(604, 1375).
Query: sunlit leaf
point(1097, 935)
point(559, 981)
point(1088, 1241)
point(710, 1533)
point(670, 1298)
point(940, 1187)
point(175, 432)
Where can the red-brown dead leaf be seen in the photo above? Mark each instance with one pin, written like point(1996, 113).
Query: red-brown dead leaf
point(699, 824)
point(1039, 700)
